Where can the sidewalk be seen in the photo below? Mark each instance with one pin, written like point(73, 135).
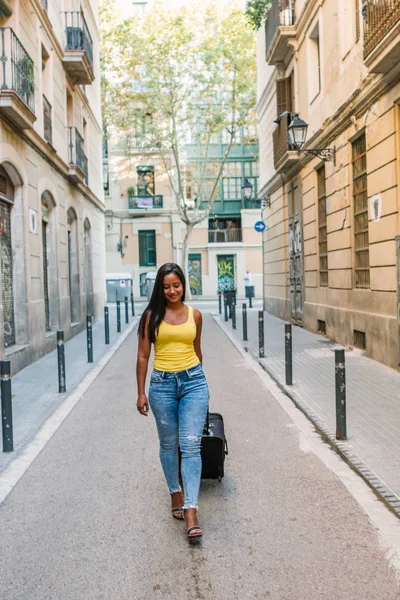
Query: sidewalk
point(35, 389)
point(373, 397)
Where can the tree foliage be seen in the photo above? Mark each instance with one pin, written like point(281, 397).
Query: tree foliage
point(192, 71)
point(257, 11)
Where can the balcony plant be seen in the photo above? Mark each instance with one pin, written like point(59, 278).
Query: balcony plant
point(256, 12)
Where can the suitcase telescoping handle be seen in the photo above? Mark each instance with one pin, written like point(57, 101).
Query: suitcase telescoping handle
point(208, 422)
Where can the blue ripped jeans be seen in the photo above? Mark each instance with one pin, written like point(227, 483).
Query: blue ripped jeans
point(179, 403)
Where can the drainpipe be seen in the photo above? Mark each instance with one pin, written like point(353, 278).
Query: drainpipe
point(172, 232)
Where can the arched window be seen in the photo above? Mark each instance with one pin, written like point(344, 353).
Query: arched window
point(73, 266)
point(88, 267)
point(6, 262)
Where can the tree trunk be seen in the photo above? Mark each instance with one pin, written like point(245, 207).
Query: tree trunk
point(185, 258)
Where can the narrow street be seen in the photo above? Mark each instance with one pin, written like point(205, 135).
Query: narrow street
point(90, 518)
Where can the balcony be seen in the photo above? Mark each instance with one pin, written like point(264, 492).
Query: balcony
point(78, 53)
point(223, 236)
point(381, 34)
point(47, 126)
point(145, 202)
point(279, 31)
point(284, 157)
point(17, 91)
point(78, 162)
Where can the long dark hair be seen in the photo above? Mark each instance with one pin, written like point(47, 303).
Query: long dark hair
point(157, 304)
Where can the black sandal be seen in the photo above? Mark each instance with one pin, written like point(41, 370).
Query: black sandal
point(177, 513)
point(194, 536)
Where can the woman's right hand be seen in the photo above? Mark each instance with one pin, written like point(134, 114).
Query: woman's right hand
point(143, 405)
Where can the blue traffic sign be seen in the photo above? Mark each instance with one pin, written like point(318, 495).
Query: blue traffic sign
point(260, 226)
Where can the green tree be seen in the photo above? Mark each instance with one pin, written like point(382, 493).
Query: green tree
point(193, 70)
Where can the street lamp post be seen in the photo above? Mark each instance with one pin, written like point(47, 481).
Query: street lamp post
point(247, 189)
point(297, 136)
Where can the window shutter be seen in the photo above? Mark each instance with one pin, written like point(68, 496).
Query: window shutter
point(357, 20)
point(284, 95)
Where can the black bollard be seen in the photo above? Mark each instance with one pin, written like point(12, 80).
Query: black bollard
point(89, 338)
point(288, 354)
point(118, 316)
point(132, 305)
point(62, 384)
point(6, 406)
point(225, 309)
point(219, 302)
point(340, 381)
point(106, 325)
point(126, 310)
point(261, 352)
point(233, 316)
point(244, 321)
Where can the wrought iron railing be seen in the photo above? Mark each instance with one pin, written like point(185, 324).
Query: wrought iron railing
point(145, 201)
point(281, 13)
point(280, 137)
point(379, 18)
point(77, 154)
point(44, 4)
point(17, 69)
point(47, 127)
point(77, 34)
point(218, 236)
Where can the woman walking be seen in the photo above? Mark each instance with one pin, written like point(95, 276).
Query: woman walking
point(178, 393)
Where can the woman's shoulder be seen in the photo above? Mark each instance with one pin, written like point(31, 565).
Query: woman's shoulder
point(196, 313)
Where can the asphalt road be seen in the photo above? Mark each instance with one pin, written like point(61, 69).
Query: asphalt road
point(90, 519)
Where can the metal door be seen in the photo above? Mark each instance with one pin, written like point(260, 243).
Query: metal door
point(7, 274)
point(226, 273)
point(88, 271)
point(195, 278)
point(45, 276)
point(296, 254)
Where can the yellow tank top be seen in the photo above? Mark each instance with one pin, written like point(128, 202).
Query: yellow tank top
point(174, 349)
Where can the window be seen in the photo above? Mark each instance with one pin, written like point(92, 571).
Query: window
point(322, 231)
point(46, 85)
point(360, 207)
point(232, 181)
point(147, 248)
point(314, 64)
point(285, 95)
point(145, 181)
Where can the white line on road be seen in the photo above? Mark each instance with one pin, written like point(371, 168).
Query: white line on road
point(19, 466)
point(385, 522)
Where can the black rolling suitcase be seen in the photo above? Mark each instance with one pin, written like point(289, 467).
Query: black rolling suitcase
point(214, 447)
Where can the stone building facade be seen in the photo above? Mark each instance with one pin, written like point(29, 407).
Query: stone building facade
point(332, 247)
point(143, 228)
point(51, 191)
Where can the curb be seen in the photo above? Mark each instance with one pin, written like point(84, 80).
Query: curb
point(380, 489)
point(21, 463)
